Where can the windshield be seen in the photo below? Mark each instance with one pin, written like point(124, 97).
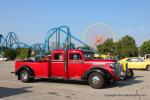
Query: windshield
point(88, 55)
point(141, 60)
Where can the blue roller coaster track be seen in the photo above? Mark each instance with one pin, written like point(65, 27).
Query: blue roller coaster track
point(66, 43)
point(2, 39)
point(11, 41)
point(61, 35)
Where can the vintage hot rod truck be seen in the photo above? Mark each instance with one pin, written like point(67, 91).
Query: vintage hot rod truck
point(70, 64)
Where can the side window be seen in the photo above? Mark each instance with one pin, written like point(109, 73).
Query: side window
point(75, 56)
point(58, 56)
point(134, 60)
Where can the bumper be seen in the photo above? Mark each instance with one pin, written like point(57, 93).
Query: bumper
point(116, 78)
point(119, 76)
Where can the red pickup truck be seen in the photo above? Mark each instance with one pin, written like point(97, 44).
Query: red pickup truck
point(70, 64)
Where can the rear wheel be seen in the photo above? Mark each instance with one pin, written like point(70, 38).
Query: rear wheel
point(96, 80)
point(130, 73)
point(25, 76)
point(148, 67)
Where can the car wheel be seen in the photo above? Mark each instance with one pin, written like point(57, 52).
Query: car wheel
point(24, 76)
point(148, 67)
point(130, 73)
point(96, 80)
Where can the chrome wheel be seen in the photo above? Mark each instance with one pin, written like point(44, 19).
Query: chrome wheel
point(24, 75)
point(95, 79)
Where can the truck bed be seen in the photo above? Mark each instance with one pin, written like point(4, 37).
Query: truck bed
point(40, 68)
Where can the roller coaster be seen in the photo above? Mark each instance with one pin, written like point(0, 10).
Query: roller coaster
point(56, 38)
point(11, 41)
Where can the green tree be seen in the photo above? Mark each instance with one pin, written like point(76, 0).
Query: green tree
point(108, 46)
point(145, 48)
point(126, 47)
point(23, 53)
point(10, 54)
point(84, 47)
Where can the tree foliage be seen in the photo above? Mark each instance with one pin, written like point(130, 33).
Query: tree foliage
point(125, 47)
point(108, 46)
point(23, 53)
point(84, 47)
point(145, 48)
point(10, 54)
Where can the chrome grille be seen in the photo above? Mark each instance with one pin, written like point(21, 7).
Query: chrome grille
point(116, 67)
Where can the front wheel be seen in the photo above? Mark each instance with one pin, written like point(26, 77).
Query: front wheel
point(25, 76)
point(96, 80)
point(130, 73)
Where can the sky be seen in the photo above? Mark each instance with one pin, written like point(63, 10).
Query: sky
point(31, 19)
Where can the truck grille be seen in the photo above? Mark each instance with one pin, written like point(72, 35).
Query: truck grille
point(116, 67)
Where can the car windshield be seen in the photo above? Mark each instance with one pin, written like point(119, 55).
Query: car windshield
point(135, 60)
point(141, 60)
point(88, 55)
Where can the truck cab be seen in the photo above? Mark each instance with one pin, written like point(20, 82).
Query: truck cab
point(70, 64)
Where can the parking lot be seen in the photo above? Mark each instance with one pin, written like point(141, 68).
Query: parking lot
point(136, 88)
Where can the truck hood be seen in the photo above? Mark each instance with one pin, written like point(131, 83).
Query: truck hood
point(106, 63)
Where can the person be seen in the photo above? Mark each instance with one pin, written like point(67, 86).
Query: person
point(108, 56)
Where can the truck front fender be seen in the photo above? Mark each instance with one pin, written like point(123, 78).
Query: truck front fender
point(104, 72)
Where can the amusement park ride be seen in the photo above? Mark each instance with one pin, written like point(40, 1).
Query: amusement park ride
point(11, 41)
point(97, 33)
point(61, 37)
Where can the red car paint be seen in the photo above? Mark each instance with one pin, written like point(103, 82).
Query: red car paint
point(66, 67)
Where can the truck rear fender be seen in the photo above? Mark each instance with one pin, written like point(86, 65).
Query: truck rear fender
point(104, 72)
point(24, 67)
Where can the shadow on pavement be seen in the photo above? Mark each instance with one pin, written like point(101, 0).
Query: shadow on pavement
point(78, 82)
point(6, 92)
point(122, 83)
point(134, 77)
point(127, 82)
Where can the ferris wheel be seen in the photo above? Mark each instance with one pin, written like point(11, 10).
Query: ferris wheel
point(97, 33)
